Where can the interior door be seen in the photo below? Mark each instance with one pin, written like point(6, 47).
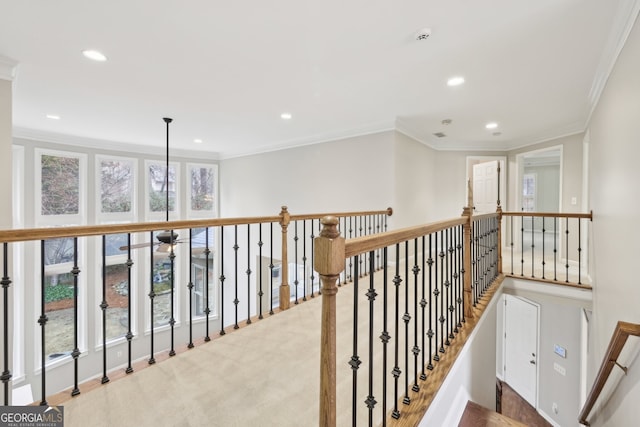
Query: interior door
point(485, 186)
point(521, 347)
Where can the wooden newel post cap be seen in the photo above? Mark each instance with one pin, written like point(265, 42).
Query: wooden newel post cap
point(329, 247)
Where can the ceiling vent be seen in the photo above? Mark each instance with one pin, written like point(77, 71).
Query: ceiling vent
point(423, 34)
point(440, 134)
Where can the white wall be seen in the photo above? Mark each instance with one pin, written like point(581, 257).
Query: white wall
point(614, 177)
point(346, 175)
point(415, 180)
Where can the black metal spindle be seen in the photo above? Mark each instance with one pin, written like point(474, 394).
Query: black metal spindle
point(260, 292)
point(415, 350)
point(451, 287)
point(295, 257)
point(355, 362)
point(543, 248)
point(129, 335)
point(371, 296)
point(313, 276)
point(566, 251)
point(152, 295)
point(443, 291)
point(207, 307)
point(384, 337)
point(555, 248)
point(271, 268)
point(396, 372)
point(222, 279)
point(42, 321)
point(351, 258)
point(103, 305)
point(533, 252)
point(430, 303)
point(460, 269)
point(436, 294)
point(172, 277)
point(190, 288)
point(511, 230)
point(406, 317)
point(236, 301)
point(522, 246)
point(304, 262)
point(5, 282)
point(423, 306)
point(579, 251)
point(447, 285)
point(75, 354)
point(248, 274)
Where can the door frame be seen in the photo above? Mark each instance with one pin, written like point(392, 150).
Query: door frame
point(472, 160)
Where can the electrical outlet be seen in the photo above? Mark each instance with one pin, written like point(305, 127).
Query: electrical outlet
point(574, 200)
point(119, 354)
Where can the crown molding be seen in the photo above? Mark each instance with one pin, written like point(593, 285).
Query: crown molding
point(8, 68)
point(624, 22)
point(79, 141)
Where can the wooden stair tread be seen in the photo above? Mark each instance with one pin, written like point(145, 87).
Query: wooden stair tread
point(478, 416)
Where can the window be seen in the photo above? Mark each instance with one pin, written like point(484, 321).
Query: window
point(202, 179)
point(199, 240)
point(116, 187)
point(116, 288)
point(60, 178)
point(157, 189)
point(529, 192)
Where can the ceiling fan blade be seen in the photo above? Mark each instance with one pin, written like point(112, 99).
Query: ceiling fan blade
point(139, 246)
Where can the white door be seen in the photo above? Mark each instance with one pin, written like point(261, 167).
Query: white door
point(521, 347)
point(485, 186)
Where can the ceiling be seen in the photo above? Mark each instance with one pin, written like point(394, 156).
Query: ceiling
point(226, 71)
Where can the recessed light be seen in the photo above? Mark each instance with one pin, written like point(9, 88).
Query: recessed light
point(94, 55)
point(53, 116)
point(286, 116)
point(197, 141)
point(455, 81)
point(491, 125)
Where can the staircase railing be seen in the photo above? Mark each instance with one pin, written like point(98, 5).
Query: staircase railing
point(619, 338)
point(252, 264)
point(417, 306)
point(547, 246)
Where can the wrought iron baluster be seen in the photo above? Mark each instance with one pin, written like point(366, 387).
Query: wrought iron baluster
point(304, 261)
point(5, 282)
point(313, 277)
point(129, 335)
point(222, 279)
point(396, 372)
point(152, 295)
point(295, 257)
point(415, 350)
point(207, 304)
point(543, 234)
point(451, 286)
point(103, 306)
point(511, 230)
point(566, 225)
point(271, 268)
point(522, 246)
point(555, 249)
point(75, 354)
point(236, 301)
point(260, 292)
point(248, 274)
point(351, 219)
point(355, 359)
point(371, 296)
point(460, 268)
point(579, 251)
point(423, 306)
point(533, 252)
point(172, 320)
point(406, 317)
point(436, 294)
point(385, 337)
point(42, 321)
point(190, 288)
point(430, 303)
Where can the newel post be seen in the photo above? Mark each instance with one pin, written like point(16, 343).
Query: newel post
point(468, 292)
point(285, 292)
point(329, 263)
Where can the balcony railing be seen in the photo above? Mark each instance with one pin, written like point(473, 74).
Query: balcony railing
point(186, 278)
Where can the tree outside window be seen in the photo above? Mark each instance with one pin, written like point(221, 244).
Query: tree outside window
point(116, 186)
point(60, 185)
point(202, 181)
point(158, 187)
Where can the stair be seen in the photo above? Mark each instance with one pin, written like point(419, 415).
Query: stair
point(478, 416)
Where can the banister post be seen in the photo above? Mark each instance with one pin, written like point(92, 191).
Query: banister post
point(285, 292)
point(468, 294)
point(329, 263)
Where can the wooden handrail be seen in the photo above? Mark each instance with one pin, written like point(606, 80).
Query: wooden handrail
point(588, 216)
point(620, 335)
point(388, 212)
point(369, 243)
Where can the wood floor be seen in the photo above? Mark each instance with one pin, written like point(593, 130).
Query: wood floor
point(515, 411)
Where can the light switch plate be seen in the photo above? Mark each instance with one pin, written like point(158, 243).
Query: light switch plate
point(559, 369)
